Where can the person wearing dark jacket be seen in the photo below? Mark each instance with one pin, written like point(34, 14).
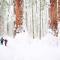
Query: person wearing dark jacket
point(5, 42)
point(2, 40)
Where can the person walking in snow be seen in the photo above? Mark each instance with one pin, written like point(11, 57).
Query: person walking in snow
point(2, 40)
point(5, 42)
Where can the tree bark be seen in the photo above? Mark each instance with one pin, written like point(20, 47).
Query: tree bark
point(19, 13)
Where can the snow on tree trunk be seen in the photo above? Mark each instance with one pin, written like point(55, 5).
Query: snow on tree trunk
point(36, 17)
point(54, 16)
point(1, 19)
point(11, 19)
point(8, 17)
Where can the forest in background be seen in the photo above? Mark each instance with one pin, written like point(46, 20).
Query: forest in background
point(34, 15)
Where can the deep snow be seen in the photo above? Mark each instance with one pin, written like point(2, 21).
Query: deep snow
point(24, 47)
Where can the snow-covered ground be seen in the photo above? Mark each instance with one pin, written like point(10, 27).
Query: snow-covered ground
point(24, 47)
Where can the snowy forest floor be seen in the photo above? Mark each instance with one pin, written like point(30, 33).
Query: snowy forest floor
point(23, 47)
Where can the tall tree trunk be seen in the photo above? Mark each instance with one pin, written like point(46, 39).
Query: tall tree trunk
point(53, 15)
point(19, 13)
point(1, 19)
